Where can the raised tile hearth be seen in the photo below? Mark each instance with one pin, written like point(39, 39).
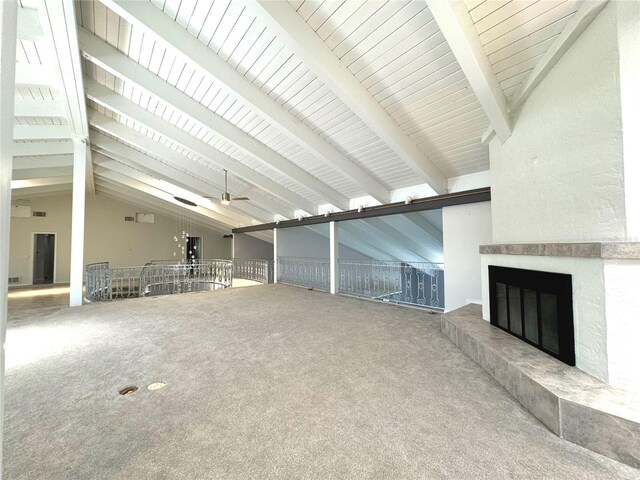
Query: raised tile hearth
point(571, 403)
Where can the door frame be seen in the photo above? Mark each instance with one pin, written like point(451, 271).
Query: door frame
point(201, 247)
point(33, 258)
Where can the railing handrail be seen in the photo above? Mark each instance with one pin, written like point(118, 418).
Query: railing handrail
point(256, 269)
point(387, 262)
point(187, 262)
point(155, 279)
point(305, 259)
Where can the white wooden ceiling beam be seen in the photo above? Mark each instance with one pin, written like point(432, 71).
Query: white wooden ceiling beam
point(418, 246)
point(38, 108)
point(426, 226)
point(570, 33)
point(170, 34)
point(183, 180)
point(41, 182)
point(352, 241)
point(115, 62)
point(41, 172)
point(102, 172)
point(34, 75)
point(221, 213)
point(163, 171)
point(41, 132)
point(388, 241)
point(364, 234)
point(29, 27)
point(458, 29)
point(173, 158)
point(151, 205)
point(282, 19)
point(117, 103)
point(45, 191)
point(37, 162)
point(30, 149)
point(487, 136)
point(58, 22)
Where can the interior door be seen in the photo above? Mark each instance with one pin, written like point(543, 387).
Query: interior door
point(193, 251)
point(44, 247)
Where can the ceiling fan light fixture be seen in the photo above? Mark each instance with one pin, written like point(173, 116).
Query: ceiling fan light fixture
point(226, 199)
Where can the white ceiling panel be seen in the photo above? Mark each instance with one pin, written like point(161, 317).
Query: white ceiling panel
point(517, 33)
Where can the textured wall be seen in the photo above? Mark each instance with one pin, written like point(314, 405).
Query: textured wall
point(560, 175)
point(629, 51)
point(588, 302)
point(622, 278)
point(464, 229)
point(107, 236)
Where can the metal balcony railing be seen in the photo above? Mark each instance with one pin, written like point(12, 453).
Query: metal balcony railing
point(156, 278)
point(304, 272)
point(256, 270)
point(410, 283)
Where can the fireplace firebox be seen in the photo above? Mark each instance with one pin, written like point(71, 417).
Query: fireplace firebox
point(536, 307)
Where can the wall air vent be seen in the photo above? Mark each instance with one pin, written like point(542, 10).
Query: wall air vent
point(129, 219)
point(39, 214)
point(14, 280)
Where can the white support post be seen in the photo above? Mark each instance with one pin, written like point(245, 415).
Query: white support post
point(77, 220)
point(233, 246)
point(8, 35)
point(333, 256)
point(275, 255)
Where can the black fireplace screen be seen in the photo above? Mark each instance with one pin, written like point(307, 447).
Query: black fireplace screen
point(536, 307)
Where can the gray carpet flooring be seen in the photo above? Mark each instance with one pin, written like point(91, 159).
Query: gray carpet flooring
point(264, 382)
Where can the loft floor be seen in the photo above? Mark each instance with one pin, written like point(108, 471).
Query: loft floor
point(264, 382)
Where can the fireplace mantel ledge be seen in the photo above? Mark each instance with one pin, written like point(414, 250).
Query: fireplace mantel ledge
point(606, 250)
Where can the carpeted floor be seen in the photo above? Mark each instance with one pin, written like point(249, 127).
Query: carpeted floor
point(264, 382)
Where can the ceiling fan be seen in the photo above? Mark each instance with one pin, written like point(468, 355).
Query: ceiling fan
point(226, 198)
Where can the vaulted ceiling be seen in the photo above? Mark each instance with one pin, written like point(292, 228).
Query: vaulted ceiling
point(309, 105)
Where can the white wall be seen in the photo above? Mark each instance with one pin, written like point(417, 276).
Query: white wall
point(629, 50)
point(590, 326)
point(107, 236)
point(464, 229)
point(58, 221)
point(570, 172)
point(622, 278)
point(559, 177)
point(469, 182)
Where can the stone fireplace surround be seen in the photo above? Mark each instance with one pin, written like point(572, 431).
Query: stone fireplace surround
point(597, 403)
point(606, 300)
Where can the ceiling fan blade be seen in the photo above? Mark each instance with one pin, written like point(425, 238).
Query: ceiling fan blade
point(239, 198)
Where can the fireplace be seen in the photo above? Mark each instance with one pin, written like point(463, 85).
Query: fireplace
point(536, 307)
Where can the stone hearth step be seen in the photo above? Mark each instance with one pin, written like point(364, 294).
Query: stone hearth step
point(571, 403)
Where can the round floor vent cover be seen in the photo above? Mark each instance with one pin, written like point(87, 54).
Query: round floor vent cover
point(156, 386)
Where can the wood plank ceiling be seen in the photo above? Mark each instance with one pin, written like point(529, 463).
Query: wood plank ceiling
point(394, 49)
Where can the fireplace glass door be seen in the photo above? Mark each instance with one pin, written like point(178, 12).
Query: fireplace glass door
point(536, 307)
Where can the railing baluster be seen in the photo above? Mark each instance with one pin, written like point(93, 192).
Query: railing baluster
point(393, 281)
